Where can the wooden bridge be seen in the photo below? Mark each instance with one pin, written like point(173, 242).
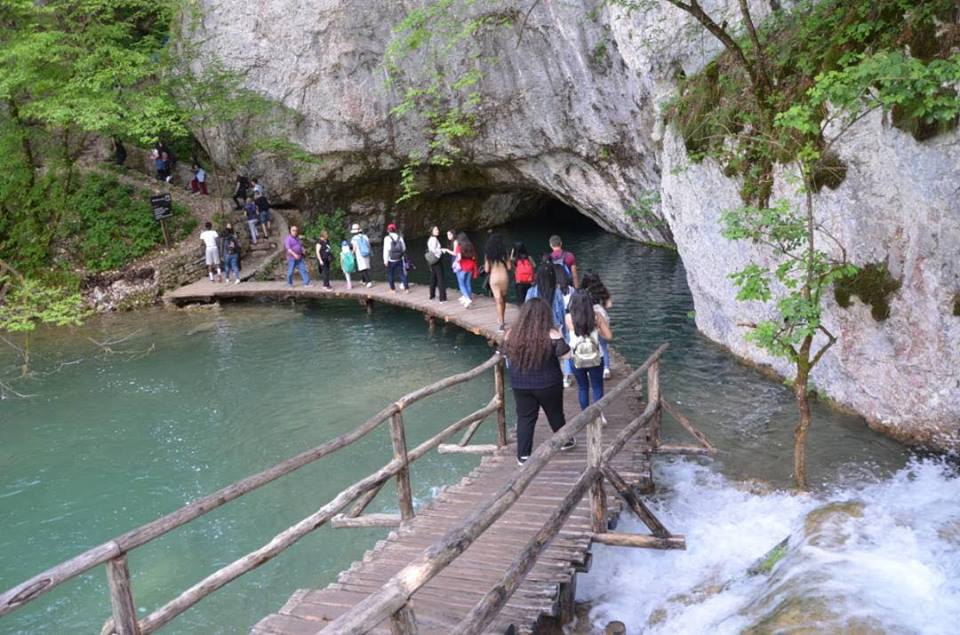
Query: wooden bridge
point(498, 552)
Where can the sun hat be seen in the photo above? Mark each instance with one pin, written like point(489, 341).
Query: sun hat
point(355, 229)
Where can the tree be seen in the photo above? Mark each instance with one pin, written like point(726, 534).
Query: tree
point(29, 303)
point(802, 271)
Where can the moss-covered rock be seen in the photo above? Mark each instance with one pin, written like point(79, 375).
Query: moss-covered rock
point(874, 285)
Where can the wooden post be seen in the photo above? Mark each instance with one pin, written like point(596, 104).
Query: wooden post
point(403, 622)
point(121, 597)
point(166, 239)
point(404, 493)
point(498, 382)
point(598, 496)
point(653, 396)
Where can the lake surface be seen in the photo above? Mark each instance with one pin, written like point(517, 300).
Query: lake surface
point(116, 440)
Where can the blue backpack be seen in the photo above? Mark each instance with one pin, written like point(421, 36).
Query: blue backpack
point(363, 245)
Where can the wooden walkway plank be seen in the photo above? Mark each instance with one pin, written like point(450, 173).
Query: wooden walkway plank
point(444, 600)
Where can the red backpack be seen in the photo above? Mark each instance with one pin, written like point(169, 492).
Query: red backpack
point(524, 273)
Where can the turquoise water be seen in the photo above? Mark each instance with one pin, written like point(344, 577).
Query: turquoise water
point(107, 444)
point(113, 441)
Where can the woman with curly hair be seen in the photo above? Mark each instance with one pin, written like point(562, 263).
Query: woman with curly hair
point(534, 348)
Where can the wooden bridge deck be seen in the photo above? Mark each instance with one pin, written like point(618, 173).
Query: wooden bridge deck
point(548, 590)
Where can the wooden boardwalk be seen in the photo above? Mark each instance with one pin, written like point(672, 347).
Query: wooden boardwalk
point(546, 595)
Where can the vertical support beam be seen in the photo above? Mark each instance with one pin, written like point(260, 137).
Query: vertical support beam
point(121, 597)
point(404, 622)
point(653, 396)
point(598, 496)
point(568, 602)
point(404, 493)
point(498, 382)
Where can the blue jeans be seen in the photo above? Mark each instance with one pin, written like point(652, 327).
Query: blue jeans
point(605, 351)
point(585, 378)
point(297, 264)
point(463, 281)
point(232, 265)
point(395, 269)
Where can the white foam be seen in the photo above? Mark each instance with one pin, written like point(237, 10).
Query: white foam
point(896, 566)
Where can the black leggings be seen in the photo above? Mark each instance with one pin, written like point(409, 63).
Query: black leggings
point(324, 270)
point(436, 281)
point(528, 404)
point(522, 288)
point(365, 276)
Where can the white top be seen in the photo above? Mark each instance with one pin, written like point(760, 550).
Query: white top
point(201, 175)
point(363, 262)
point(392, 237)
point(434, 247)
point(209, 238)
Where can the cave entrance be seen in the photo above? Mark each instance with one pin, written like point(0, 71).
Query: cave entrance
point(557, 217)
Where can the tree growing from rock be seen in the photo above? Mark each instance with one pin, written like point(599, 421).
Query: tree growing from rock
point(803, 258)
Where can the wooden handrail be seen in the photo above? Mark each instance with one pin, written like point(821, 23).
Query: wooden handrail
point(396, 592)
point(29, 590)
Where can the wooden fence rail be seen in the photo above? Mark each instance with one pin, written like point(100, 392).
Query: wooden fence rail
point(113, 553)
point(391, 602)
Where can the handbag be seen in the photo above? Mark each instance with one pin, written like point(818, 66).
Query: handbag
point(431, 258)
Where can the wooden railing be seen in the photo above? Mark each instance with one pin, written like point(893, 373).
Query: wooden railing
point(113, 553)
point(392, 601)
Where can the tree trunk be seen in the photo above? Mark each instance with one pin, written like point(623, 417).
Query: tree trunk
point(803, 425)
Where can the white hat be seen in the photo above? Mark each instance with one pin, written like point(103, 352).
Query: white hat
point(355, 229)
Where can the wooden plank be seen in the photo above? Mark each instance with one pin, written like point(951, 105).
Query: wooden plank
point(448, 448)
point(341, 521)
point(641, 541)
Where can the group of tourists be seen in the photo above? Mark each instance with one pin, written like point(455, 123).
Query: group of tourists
point(560, 336)
point(250, 198)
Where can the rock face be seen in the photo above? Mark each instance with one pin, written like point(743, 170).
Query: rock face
point(898, 205)
point(567, 112)
point(571, 111)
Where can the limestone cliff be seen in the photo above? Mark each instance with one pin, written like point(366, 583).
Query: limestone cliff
point(571, 111)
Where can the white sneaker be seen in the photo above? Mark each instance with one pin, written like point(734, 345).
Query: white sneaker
point(606, 373)
point(369, 284)
point(567, 381)
point(237, 281)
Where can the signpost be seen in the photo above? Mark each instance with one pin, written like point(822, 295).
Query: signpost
point(162, 205)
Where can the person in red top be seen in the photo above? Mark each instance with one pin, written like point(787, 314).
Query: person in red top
point(559, 256)
point(465, 266)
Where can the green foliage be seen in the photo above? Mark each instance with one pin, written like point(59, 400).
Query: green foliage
point(440, 86)
point(108, 224)
point(644, 212)
point(31, 302)
point(874, 285)
point(848, 54)
point(335, 224)
point(794, 283)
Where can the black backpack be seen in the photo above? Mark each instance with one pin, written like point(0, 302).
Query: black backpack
point(231, 245)
point(326, 253)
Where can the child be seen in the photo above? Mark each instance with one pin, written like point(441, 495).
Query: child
point(348, 263)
